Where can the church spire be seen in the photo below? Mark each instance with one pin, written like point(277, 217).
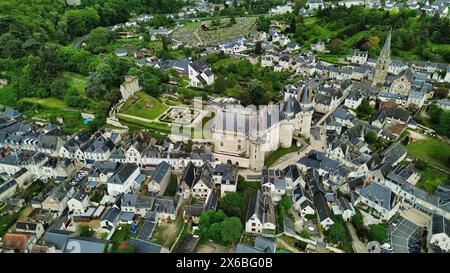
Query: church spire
point(386, 52)
point(383, 62)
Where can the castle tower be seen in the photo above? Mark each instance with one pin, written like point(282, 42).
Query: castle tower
point(257, 154)
point(304, 117)
point(383, 62)
point(290, 109)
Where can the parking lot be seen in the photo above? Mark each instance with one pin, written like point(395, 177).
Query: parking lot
point(404, 233)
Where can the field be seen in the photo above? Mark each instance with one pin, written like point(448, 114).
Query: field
point(49, 103)
point(193, 34)
point(432, 151)
point(145, 106)
point(159, 126)
point(76, 81)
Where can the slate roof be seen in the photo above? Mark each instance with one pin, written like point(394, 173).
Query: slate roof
point(260, 205)
point(123, 173)
point(318, 160)
point(228, 173)
point(160, 171)
point(377, 193)
point(57, 238)
point(141, 246)
point(111, 215)
point(292, 172)
point(85, 245)
point(394, 152)
point(394, 113)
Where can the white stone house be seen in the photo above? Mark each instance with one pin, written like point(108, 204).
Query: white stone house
point(260, 215)
point(160, 179)
point(79, 203)
point(200, 74)
point(123, 179)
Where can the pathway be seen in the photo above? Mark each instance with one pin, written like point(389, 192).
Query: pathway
point(358, 246)
point(135, 117)
point(287, 246)
point(290, 159)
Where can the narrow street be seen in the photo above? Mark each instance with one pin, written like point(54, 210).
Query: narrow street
point(358, 246)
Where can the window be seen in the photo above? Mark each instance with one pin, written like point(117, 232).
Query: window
point(221, 143)
point(239, 147)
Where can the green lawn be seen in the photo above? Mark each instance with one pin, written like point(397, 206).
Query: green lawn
point(48, 102)
point(6, 222)
point(278, 154)
point(145, 106)
point(121, 235)
point(432, 151)
point(76, 81)
point(151, 125)
point(430, 179)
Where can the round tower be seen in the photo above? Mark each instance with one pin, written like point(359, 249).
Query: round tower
point(304, 117)
point(256, 153)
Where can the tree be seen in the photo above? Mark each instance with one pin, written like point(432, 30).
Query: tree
point(373, 42)
point(370, 137)
point(98, 39)
point(58, 87)
point(337, 233)
point(84, 230)
point(258, 48)
point(405, 141)
point(364, 110)
point(128, 249)
point(441, 93)
point(232, 204)
point(217, 226)
point(444, 124)
point(286, 202)
point(299, 4)
point(336, 45)
point(187, 52)
point(230, 230)
point(304, 233)
point(358, 220)
point(245, 69)
point(378, 232)
point(232, 20)
point(220, 84)
point(263, 23)
point(257, 94)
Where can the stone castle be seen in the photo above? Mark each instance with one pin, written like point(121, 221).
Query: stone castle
point(246, 137)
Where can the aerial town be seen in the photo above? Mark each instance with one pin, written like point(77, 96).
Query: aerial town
point(245, 126)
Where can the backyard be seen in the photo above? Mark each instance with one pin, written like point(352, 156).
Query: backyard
point(121, 234)
point(432, 151)
point(166, 234)
point(430, 179)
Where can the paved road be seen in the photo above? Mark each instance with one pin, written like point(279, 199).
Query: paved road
point(358, 246)
point(290, 159)
point(78, 41)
